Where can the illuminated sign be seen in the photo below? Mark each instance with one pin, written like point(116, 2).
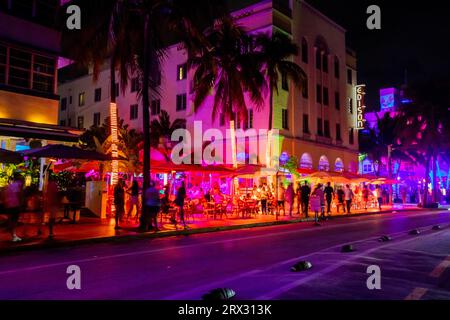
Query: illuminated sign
point(388, 98)
point(114, 142)
point(360, 106)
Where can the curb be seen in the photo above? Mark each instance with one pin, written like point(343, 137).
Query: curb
point(178, 233)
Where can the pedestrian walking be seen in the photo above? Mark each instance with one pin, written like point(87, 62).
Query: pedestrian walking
point(306, 192)
point(318, 191)
point(13, 204)
point(329, 194)
point(365, 195)
point(290, 195)
point(348, 196)
point(52, 203)
point(119, 203)
point(179, 201)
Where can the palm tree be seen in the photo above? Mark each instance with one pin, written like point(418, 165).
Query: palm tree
point(228, 66)
point(426, 124)
point(275, 52)
point(161, 130)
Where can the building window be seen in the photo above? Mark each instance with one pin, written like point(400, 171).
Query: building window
point(337, 100)
point(305, 89)
point(339, 165)
point(182, 72)
point(117, 90)
point(327, 129)
point(284, 81)
point(318, 59)
point(19, 68)
point(319, 127)
point(69, 122)
point(250, 119)
point(135, 85)
point(63, 104)
point(326, 99)
point(336, 68)
point(306, 161)
point(304, 50)
point(338, 132)
point(350, 105)
point(70, 100)
point(3, 51)
point(81, 99)
point(349, 76)
point(98, 95)
point(181, 102)
point(62, 123)
point(325, 63)
point(351, 136)
point(96, 122)
point(285, 120)
point(319, 93)
point(306, 124)
point(324, 164)
point(134, 111)
point(80, 122)
point(156, 107)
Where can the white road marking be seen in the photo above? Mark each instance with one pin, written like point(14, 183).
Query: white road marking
point(417, 294)
point(440, 269)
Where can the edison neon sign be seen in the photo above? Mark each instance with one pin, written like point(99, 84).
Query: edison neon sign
point(360, 106)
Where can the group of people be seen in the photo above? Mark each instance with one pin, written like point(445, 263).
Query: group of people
point(154, 200)
point(14, 200)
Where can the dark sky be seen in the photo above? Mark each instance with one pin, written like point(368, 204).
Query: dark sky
point(415, 36)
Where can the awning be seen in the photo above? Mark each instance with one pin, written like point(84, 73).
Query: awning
point(59, 151)
point(26, 129)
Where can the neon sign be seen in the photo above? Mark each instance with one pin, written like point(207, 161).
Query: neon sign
point(360, 106)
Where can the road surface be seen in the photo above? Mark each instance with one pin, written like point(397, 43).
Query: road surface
point(253, 262)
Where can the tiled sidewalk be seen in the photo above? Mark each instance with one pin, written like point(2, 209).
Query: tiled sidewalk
point(92, 229)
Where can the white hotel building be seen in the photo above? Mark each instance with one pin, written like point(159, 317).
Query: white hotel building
point(317, 124)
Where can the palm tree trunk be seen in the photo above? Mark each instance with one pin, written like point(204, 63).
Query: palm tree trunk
point(427, 180)
point(435, 194)
point(146, 104)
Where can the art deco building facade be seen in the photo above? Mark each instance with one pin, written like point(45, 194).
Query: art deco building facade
point(316, 122)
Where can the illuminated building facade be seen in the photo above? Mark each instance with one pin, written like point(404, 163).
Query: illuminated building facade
point(317, 123)
point(29, 49)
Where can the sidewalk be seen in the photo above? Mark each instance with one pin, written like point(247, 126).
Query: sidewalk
point(93, 230)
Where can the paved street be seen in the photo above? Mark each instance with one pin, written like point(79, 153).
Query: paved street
point(253, 262)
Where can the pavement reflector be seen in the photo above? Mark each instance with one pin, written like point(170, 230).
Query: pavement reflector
point(414, 232)
point(384, 239)
point(437, 228)
point(347, 248)
point(301, 266)
point(220, 294)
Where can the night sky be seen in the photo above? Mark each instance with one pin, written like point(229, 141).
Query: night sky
point(415, 36)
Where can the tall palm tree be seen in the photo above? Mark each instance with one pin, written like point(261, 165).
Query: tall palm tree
point(228, 66)
point(161, 130)
point(276, 50)
point(133, 36)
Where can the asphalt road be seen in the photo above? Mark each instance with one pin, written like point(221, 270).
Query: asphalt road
point(253, 262)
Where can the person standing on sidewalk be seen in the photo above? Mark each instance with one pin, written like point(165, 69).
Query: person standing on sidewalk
point(378, 196)
point(329, 194)
point(365, 195)
point(348, 195)
point(290, 195)
point(119, 202)
point(179, 201)
point(340, 196)
point(153, 204)
point(306, 192)
point(13, 204)
point(134, 201)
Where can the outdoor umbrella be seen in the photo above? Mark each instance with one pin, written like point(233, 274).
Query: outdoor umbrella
point(381, 181)
point(7, 156)
point(60, 151)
